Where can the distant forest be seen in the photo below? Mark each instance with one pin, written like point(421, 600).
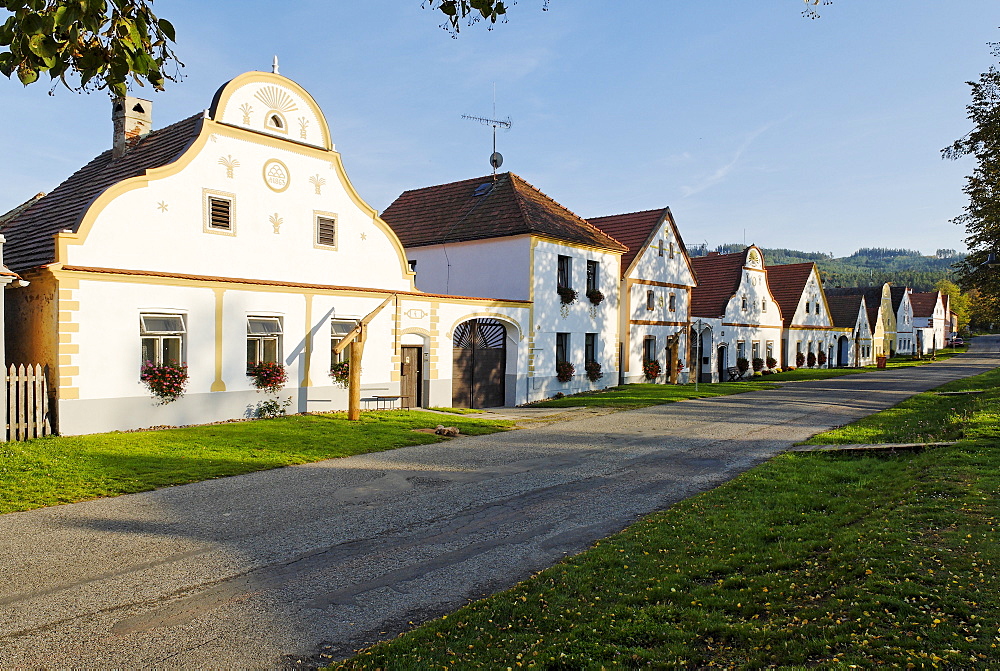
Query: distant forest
point(869, 266)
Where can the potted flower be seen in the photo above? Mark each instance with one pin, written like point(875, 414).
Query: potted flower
point(742, 365)
point(566, 295)
point(165, 381)
point(341, 373)
point(565, 371)
point(593, 371)
point(772, 362)
point(758, 364)
point(595, 296)
point(821, 358)
point(651, 369)
point(267, 376)
point(811, 359)
point(800, 360)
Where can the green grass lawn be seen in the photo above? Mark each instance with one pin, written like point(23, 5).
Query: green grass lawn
point(813, 559)
point(57, 470)
point(458, 411)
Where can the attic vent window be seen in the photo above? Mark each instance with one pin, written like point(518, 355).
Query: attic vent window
point(276, 121)
point(220, 214)
point(483, 189)
point(326, 231)
point(138, 108)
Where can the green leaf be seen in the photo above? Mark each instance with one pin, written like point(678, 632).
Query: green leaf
point(27, 74)
point(167, 29)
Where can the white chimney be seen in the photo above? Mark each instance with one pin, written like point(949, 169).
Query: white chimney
point(132, 118)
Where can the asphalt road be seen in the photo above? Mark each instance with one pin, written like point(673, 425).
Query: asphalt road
point(261, 570)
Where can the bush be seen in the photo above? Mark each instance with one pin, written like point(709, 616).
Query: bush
point(821, 358)
point(651, 369)
point(811, 359)
point(267, 376)
point(772, 362)
point(566, 295)
point(593, 371)
point(272, 407)
point(166, 382)
point(565, 371)
point(800, 360)
point(757, 363)
point(742, 364)
point(595, 296)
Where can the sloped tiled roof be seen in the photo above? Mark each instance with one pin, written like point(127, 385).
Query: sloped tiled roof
point(873, 299)
point(718, 279)
point(480, 209)
point(787, 282)
point(636, 230)
point(844, 309)
point(7, 216)
point(29, 233)
point(923, 303)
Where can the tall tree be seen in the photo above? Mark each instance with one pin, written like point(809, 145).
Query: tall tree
point(982, 215)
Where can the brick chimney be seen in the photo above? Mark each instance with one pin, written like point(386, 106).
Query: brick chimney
point(132, 118)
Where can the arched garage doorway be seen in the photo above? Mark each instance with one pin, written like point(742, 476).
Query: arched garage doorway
point(480, 364)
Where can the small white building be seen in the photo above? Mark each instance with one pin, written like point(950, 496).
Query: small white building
point(226, 239)
point(854, 333)
point(931, 322)
point(808, 324)
point(656, 284)
point(734, 312)
point(905, 340)
point(500, 236)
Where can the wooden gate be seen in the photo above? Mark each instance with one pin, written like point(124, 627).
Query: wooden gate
point(480, 364)
point(27, 403)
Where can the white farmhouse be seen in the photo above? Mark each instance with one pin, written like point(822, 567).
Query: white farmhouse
point(229, 238)
point(931, 322)
point(734, 312)
point(850, 316)
point(808, 324)
point(905, 341)
point(500, 236)
point(656, 283)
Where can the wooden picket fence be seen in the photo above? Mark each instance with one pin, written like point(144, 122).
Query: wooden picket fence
point(27, 403)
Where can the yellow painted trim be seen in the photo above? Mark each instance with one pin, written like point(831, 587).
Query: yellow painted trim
point(653, 322)
point(68, 371)
point(654, 283)
point(809, 328)
point(65, 317)
point(69, 328)
point(66, 348)
point(68, 393)
point(307, 352)
point(576, 245)
point(288, 175)
point(65, 382)
point(65, 338)
point(227, 90)
point(69, 305)
point(218, 384)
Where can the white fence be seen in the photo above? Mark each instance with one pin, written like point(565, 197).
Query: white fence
point(27, 403)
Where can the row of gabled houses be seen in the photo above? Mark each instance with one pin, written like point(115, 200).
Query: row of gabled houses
point(235, 237)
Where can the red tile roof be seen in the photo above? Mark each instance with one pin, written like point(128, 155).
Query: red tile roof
point(924, 303)
point(29, 233)
point(636, 230)
point(481, 208)
point(844, 309)
point(787, 282)
point(873, 300)
point(718, 279)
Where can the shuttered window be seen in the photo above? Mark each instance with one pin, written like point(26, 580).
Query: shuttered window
point(326, 231)
point(220, 214)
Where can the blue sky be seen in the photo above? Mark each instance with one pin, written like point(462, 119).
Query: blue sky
point(748, 120)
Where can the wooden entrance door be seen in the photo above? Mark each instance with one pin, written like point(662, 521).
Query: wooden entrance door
point(411, 377)
point(480, 360)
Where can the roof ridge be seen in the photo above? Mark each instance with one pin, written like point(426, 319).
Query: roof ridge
point(514, 178)
point(661, 210)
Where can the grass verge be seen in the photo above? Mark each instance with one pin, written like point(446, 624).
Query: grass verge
point(815, 559)
point(458, 411)
point(61, 469)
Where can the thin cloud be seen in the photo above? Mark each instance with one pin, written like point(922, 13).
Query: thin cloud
point(723, 172)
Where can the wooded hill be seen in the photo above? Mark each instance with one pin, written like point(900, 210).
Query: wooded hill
point(869, 266)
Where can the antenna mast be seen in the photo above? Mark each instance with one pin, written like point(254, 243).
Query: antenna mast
point(496, 160)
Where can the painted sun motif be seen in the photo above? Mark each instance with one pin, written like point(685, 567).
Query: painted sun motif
point(276, 99)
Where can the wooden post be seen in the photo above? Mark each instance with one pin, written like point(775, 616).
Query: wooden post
point(354, 378)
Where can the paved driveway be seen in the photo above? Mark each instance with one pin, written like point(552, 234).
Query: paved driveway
point(262, 569)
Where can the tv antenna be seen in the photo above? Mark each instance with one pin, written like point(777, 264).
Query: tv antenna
point(496, 159)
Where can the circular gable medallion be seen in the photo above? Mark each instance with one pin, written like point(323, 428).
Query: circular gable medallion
point(276, 175)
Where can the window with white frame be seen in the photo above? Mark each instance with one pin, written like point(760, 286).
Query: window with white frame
point(562, 347)
point(648, 349)
point(263, 340)
point(162, 338)
point(564, 272)
point(338, 330)
point(741, 349)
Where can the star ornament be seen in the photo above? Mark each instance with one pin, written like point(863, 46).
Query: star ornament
point(162, 206)
point(364, 236)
